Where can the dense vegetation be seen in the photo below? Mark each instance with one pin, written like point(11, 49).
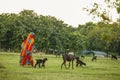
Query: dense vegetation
point(52, 33)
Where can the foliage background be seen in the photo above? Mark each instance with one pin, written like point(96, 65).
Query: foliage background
point(53, 34)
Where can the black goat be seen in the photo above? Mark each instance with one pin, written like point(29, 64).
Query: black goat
point(41, 62)
point(94, 58)
point(69, 58)
point(79, 62)
point(114, 57)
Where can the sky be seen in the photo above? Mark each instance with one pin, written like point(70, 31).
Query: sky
point(69, 11)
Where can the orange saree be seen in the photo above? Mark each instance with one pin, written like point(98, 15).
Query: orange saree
point(26, 52)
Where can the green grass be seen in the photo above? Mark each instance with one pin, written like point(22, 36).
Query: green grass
point(102, 69)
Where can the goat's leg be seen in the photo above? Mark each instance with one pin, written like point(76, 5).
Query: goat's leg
point(77, 64)
point(62, 64)
point(65, 65)
point(81, 64)
point(69, 65)
point(36, 64)
point(39, 65)
point(43, 64)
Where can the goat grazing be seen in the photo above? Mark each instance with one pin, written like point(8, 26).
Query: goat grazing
point(69, 58)
point(94, 58)
point(41, 62)
point(114, 57)
point(79, 62)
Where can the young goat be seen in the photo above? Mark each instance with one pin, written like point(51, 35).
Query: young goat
point(79, 62)
point(94, 58)
point(113, 57)
point(41, 62)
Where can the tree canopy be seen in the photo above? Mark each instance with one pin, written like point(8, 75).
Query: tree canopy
point(52, 33)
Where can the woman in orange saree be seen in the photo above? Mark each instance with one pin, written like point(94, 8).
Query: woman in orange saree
point(26, 52)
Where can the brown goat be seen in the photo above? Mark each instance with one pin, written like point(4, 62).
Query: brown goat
point(69, 58)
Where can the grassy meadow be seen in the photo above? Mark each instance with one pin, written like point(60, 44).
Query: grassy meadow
point(102, 69)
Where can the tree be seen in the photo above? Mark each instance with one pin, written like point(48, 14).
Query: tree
point(104, 13)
